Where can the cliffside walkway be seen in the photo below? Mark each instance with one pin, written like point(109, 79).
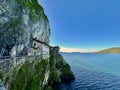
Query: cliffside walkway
point(7, 63)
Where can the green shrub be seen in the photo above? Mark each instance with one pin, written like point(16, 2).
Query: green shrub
point(47, 87)
point(54, 76)
point(29, 76)
point(67, 74)
point(1, 75)
point(61, 62)
point(52, 63)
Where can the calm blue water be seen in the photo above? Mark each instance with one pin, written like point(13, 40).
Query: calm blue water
point(93, 71)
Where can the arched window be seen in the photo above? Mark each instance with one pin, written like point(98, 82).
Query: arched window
point(34, 44)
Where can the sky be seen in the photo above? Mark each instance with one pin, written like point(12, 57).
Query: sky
point(83, 25)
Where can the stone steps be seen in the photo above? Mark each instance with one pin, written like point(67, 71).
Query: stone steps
point(2, 86)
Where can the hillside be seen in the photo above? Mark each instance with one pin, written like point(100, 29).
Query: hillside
point(111, 50)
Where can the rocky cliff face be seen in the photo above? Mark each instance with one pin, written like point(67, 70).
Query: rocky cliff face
point(20, 21)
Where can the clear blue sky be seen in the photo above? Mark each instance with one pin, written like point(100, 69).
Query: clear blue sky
point(87, 24)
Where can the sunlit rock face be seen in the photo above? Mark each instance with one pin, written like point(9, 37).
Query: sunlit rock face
point(20, 21)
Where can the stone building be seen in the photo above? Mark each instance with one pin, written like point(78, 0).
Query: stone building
point(39, 48)
point(55, 50)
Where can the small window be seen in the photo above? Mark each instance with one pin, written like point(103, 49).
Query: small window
point(34, 53)
point(34, 44)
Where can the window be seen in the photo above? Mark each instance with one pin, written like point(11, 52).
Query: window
point(34, 44)
point(34, 53)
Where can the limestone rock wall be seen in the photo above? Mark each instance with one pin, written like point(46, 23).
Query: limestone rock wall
point(20, 21)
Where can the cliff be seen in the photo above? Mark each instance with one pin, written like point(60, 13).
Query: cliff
point(41, 74)
point(110, 51)
point(20, 21)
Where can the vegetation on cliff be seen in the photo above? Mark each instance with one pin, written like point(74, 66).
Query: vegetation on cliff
point(67, 74)
point(1, 75)
point(60, 70)
point(35, 9)
point(21, 20)
point(30, 76)
point(41, 74)
point(111, 51)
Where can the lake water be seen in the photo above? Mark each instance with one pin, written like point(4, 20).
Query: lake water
point(93, 71)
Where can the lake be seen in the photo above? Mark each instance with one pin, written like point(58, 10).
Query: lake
point(93, 71)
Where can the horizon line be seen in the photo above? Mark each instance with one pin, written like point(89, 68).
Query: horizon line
point(80, 50)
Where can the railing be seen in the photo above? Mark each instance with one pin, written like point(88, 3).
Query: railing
point(5, 57)
point(7, 63)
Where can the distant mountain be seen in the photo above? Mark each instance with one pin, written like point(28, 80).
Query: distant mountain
point(115, 50)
